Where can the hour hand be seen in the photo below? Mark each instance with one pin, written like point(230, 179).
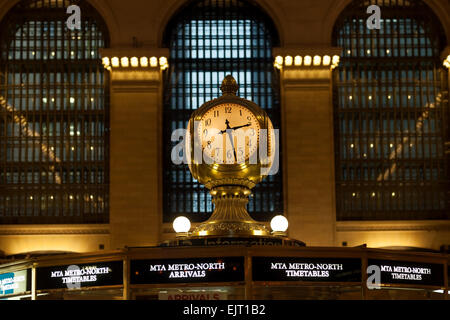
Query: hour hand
point(228, 126)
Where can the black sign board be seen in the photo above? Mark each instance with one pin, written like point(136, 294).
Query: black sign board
point(306, 269)
point(230, 269)
point(405, 272)
point(80, 275)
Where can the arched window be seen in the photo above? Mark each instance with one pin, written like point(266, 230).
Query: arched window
point(54, 155)
point(390, 104)
point(209, 39)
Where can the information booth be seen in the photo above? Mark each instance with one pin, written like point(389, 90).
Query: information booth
point(227, 272)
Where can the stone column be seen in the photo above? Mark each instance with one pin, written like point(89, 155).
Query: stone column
point(135, 118)
point(306, 88)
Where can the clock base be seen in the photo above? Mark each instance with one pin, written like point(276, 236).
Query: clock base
point(230, 217)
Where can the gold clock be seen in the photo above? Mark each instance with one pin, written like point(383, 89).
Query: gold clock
point(230, 147)
point(229, 133)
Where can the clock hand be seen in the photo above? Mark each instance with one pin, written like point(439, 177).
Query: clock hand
point(228, 126)
point(232, 144)
point(246, 125)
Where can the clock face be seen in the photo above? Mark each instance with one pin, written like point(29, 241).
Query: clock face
point(229, 134)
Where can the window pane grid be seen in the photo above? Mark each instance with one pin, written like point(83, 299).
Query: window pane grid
point(54, 121)
point(209, 40)
point(389, 108)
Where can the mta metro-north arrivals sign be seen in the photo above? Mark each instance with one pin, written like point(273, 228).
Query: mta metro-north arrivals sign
point(306, 269)
point(77, 276)
point(230, 269)
point(405, 272)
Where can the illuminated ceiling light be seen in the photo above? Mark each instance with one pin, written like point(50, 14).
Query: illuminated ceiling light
point(279, 225)
point(370, 97)
point(53, 99)
point(181, 225)
point(368, 51)
point(71, 197)
point(144, 62)
point(288, 60)
point(389, 97)
point(92, 53)
point(92, 99)
point(391, 145)
point(365, 155)
point(92, 197)
point(409, 97)
point(307, 60)
point(326, 60)
point(72, 100)
point(298, 60)
point(354, 194)
point(72, 53)
point(279, 60)
point(134, 62)
point(115, 62)
point(73, 148)
point(153, 62)
point(371, 145)
point(393, 194)
point(92, 148)
point(124, 62)
point(44, 100)
point(53, 53)
point(350, 97)
point(33, 53)
point(388, 51)
point(349, 51)
point(373, 194)
point(163, 63)
point(352, 146)
point(51, 197)
point(317, 60)
point(447, 62)
point(106, 62)
point(31, 197)
point(335, 61)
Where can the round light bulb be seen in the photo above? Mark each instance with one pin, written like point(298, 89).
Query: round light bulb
point(181, 225)
point(279, 224)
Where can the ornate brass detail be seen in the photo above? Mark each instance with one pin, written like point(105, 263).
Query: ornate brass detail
point(230, 184)
point(230, 216)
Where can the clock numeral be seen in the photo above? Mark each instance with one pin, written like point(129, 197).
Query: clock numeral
point(229, 154)
point(228, 109)
point(241, 152)
point(208, 122)
point(216, 113)
point(205, 132)
point(249, 143)
point(240, 112)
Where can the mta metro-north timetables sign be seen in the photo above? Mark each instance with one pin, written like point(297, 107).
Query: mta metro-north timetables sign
point(306, 269)
point(80, 275)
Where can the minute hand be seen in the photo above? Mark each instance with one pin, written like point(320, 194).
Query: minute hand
point(245, 125)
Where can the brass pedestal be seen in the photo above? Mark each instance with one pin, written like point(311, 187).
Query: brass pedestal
point(230, 217)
